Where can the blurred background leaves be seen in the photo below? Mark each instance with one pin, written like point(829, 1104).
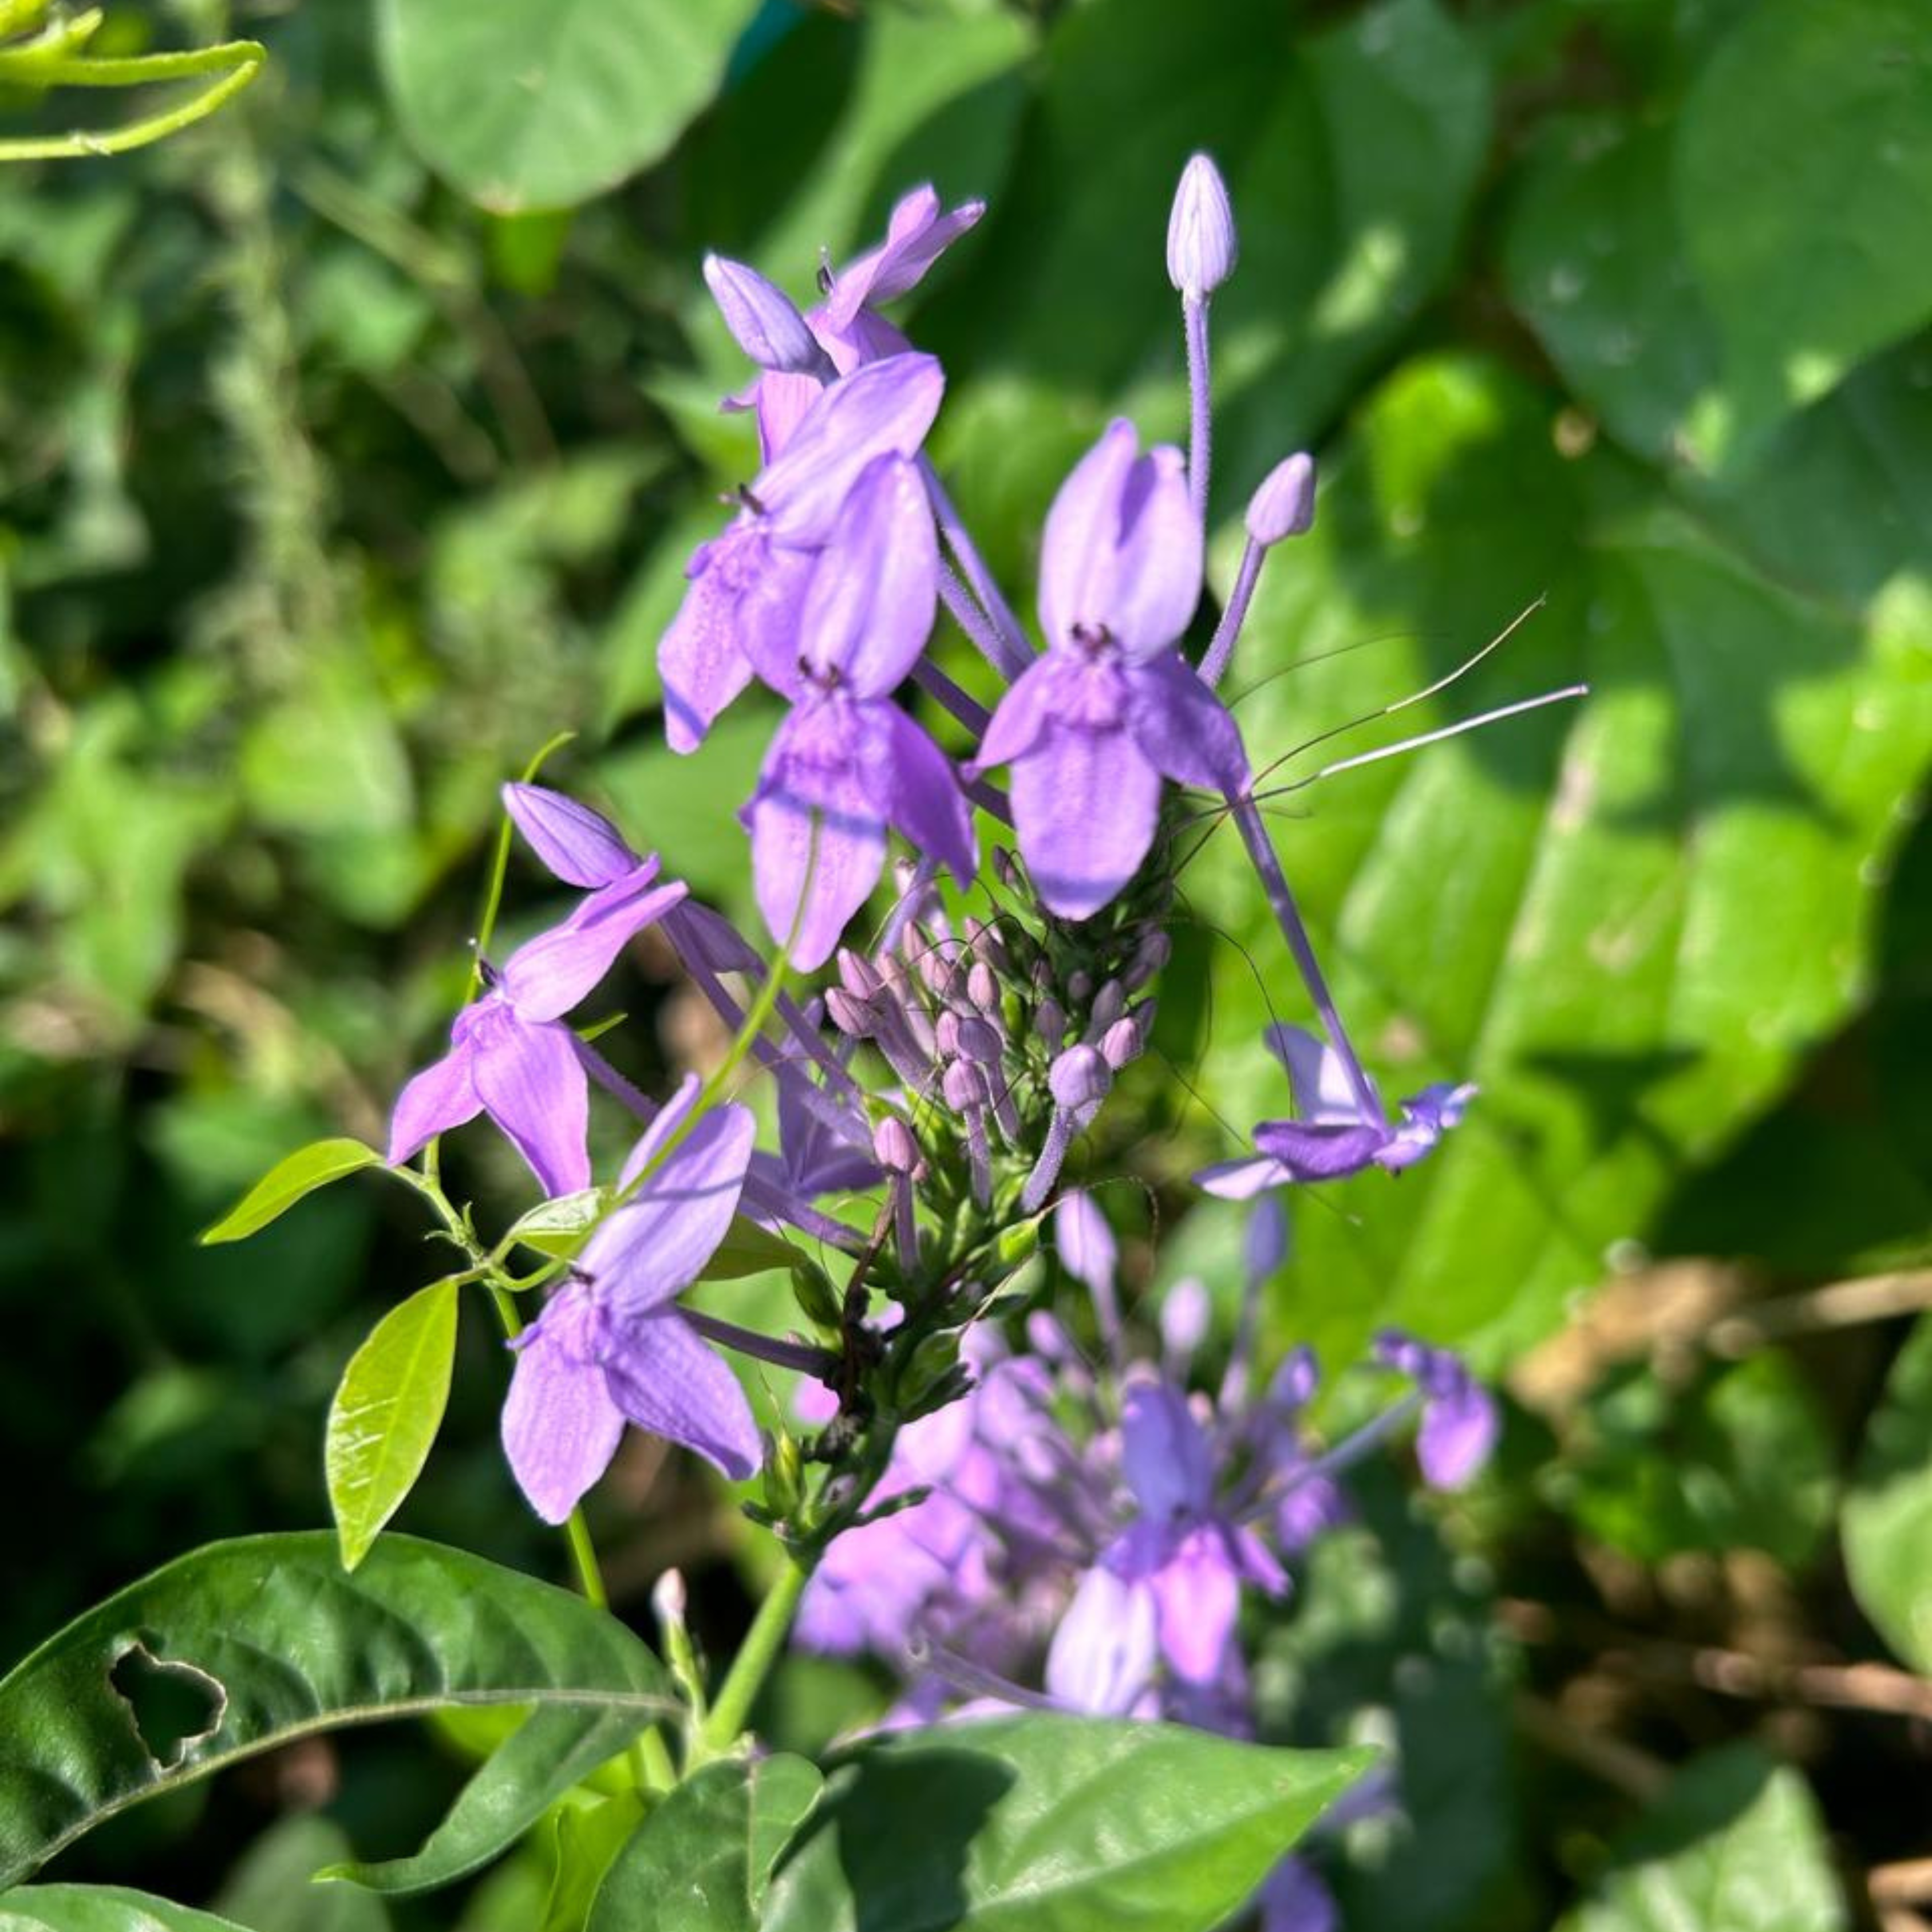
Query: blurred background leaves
point(352, 444)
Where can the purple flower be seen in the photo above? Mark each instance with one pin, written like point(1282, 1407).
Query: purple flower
point(1294, 1900)
point(1201, 244)
point(611, 1345)
point(1091, 728)
point(1460, 1421)
point(746, 585)
point(511, 1056)
point(847, 762)
point(1329, 1138)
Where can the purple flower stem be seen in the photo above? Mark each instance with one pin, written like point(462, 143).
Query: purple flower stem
point(1288, 917)
point(962, 705)
point(1352, 1449)
point(1195, 315)
point(1214, 664)
point(979, 1156)
point(970, 619)
point(1011, 653)
point(799, 1355)
point(1059, 1133)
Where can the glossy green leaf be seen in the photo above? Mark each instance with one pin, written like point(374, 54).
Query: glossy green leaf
point(1803, 172)
point(702, 1862)
point(747, 1249)
point(1049, 1824)
point(1887, 1519)
point(274, 1641)
point(285, 1183)
point(386, 1413)
point(1568, 909)
point(1734, 1843)
point(589, 1837)
point(100, 1908)
point(541, 106)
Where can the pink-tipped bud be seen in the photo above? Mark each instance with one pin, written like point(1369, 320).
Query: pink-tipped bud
point(893, 1146)
point(855, 974)
point(1284, 506)
point(763, 320)
point(668, 1601)
point(982, 987)
point(1079, 1079)
point(853, 1017)
point(1121, 1043)
point(1201, 246)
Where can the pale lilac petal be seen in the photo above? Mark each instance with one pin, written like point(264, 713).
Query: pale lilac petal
point(813, 819)
point(768, 618)
point(1460, 1421)
point(1164, 1453)
point(1320, 1153)
point(916, 235)
point(1085, 1243)
point(534, 1087)
point(653, 1249)
point(761, 317)
point(581, 847)
point(1426, 1117)
point(1182, 729)
point(560, 1426)
point(1157, 580)
point(547, 976)
point(1318, 1076)
point(1185, 1316)
point(1102, 1658)
point(700, 659)
point(1242, 1179)
point(1085, 806)
point(668, 1380)
point(782, 401)
point(1294, 1900)
point(1197, 1596)
point(1020, 717)
point(869, 608)
point(441, 1096)
point(1077, 549)
point(921, 792)
point(885, 407)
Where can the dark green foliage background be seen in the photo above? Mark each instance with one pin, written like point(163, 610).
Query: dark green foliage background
point(341, 466)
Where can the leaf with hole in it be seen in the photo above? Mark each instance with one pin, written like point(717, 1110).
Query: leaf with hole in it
point(100, 1908)
point(1887, 1519)
point(1045, 1823)
point(541, 106)
point(702, 1862)
point(289, 1644)
point(386, 1413)
point(287, 1182)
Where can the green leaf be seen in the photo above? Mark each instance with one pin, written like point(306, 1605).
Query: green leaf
point(541, 106)
point(100, 1908)
point(269, 1889)
point(276, 1641)
point(551, 1751)
point(1803, 172)
point(1887, 1520)
point(702, 1862)
point(1567, 909)
point(589, 1837)
point(1050, 1824)
point(558, 1226)
point(747, 1249)
point(285, 1183)
point(1734, 1844)
point(386, 1413)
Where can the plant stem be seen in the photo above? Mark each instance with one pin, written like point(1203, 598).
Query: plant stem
point(756, 1656)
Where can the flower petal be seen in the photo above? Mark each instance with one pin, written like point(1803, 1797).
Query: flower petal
point(1165, 1453)
point(1102, 1658)
point(1242, 1179)
point(560, 1427)
point(1320, 1153)
point(699, 658)
point(653, 1248)
point(533, 1086)
point(548, 975)
point(916, 235)
point(869, 610)
point(1317, 1076)
point(1085, 805)
point(818, 837)
point(920, 791)
point(1020, 716)
point(441, 1096)
point(581, 847)
point(1197, 1595)
point(1077, 549)
point(1182, 729)
point(1157, 579)
point(667, 1379)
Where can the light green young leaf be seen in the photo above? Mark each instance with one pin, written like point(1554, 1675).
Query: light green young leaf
point(100, 1908)
point(386, 1413)
point(276, 1641)
point(558, 1226)
point(285, 1183)
point(1734, 1844)
point(1048, 1824)
point(702, 1862)
point(541, 106)
point(1887, 1519)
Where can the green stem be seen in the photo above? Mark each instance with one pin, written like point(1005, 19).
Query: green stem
point(753, 1664)
point(235, 65)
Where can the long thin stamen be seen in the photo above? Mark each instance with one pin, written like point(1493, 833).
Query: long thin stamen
point(1195, 314)
point(1214, 664)
point(1288, 917)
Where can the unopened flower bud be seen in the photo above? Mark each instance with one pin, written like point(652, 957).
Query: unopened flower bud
point(1121, 1043)
point(936, 971)
point(946, 1030)
point(855, 974)
point(981, 1040)
point(1150, 956)
point(1078, 1078)
point(1284, 506)
point(853, 1017)
point(982, 987)
point(1080, 984)
point(762, 320)
point(1201, 246)
point(963, 1086)
point(669, 1601)
point(1109, 1004)
point(894, 1146)
point(1050, 1023)
point(1185, 1317)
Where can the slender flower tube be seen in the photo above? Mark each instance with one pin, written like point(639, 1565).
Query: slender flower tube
point(1201, 248)
point(1283, 507)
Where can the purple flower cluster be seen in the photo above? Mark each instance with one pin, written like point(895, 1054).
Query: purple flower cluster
point(1096, 1531)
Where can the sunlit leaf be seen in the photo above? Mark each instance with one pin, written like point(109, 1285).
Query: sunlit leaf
point(291, 1178)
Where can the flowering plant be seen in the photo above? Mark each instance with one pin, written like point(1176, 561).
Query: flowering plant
point(1051, 1522)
